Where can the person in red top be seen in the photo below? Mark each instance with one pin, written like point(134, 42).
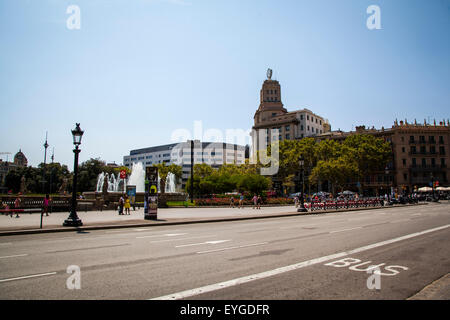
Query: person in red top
point(46, 203)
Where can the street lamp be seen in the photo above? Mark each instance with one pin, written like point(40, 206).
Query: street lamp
point(73, 220)
point(302, 208)
point(191, 188)
point(46, 145)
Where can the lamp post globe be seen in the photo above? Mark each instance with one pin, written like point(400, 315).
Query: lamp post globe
point(302, 208)
point(73, 220)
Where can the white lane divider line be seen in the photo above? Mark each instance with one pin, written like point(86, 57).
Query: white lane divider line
point(230, 248)
point(266, 274)
point(28, 277)
point(162, 235)
point(182, 239)
point(14, 256)
point(200, 243)
point(345, 230)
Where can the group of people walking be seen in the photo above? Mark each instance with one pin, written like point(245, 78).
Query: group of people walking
point(257, 201)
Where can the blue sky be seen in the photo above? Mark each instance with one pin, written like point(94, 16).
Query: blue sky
point(139, 69)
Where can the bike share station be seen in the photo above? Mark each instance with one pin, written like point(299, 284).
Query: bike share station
point(151, 194)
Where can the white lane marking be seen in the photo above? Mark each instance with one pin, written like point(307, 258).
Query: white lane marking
point(162, 235)
point(345, 230)
point(28, 277)
point(230, 248)
point(266, 274)
point(200, 243)
point(182, 239)
point(417, 214)
point(16, 255)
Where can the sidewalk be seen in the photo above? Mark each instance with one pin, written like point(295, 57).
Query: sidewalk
point(30, 223)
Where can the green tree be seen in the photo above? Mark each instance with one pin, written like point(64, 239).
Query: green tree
point(370, 154)
point(336, 171)
point(163, 172)
point(88, 173)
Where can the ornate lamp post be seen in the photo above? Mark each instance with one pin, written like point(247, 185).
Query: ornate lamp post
point(73, 220)
point(302, 208)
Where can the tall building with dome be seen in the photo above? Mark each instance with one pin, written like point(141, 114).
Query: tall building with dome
point(20, 160)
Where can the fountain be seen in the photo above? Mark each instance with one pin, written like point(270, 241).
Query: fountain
point(137, 178)
point(110, 187)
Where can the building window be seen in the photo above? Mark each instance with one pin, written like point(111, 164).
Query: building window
point(405, 176)
point(301, 117)
point(403, 139)
point(424, 163)
point(421, 139)
point(413, 150)
point(442, 162)
point(414, 162)
point(307, 117)
point(403, 149)
point(404, 162)
point(287, 128)
point(274, 114)
point(432, 149)
point(320, 121)
point(307, 128)
point(411, 138)
point(431, 139)
point(288, 136)
point(433, 162)
point(442, 150)
point(441, 139)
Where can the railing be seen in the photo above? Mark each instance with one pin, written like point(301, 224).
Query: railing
point(344, 204)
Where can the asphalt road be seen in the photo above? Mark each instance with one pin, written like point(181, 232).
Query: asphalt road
point(302, 257)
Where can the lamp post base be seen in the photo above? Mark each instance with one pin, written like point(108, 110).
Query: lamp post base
point(70, 222)
point(302, 209)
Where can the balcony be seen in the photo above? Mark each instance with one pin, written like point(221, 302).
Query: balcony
point(428, 167)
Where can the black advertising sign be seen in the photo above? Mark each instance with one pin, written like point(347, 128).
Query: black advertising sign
point(151, 193)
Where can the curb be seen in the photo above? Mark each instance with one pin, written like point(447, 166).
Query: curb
point(150, 224)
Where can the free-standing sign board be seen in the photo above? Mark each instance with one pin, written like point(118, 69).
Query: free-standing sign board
point(151, 193)
point(131, 193)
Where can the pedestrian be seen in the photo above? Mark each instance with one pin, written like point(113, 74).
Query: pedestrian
point(46, 203)
point(259, 202)
point(127, 205)
point(296, 201)
point(255, 201)
point(241, 201)
point(232, 202)
point(17, 205)
point(121, 203)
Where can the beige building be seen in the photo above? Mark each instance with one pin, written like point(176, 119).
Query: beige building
point(271, 115)
point(420, 155)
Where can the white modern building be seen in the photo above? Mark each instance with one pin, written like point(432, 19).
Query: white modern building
point(211, 153)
